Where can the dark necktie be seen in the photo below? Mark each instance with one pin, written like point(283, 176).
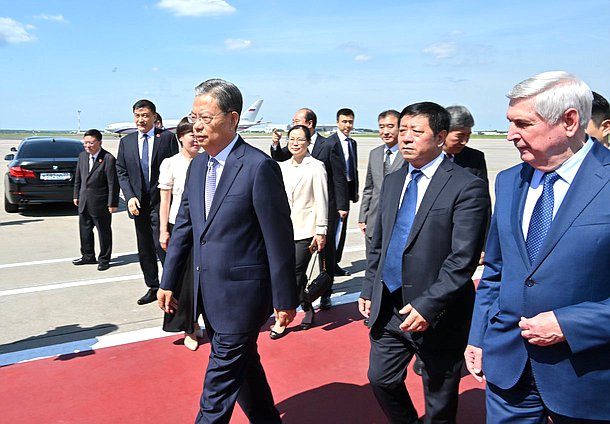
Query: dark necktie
point(91, 161)
point(210, 185)
point(450, 156)
point(351, 172)
point(542, 216)
point(144, 162)
point(387, 162)
point(392, 268)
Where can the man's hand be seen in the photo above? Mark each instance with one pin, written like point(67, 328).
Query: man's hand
point(134, 206)
point(342, 214)
point(362, 226)
point(75, 201)
point(284, 317)
point(164, 239)
point(542, 330)
point(414, 322)
point(276, 136)
point(166, 300)
point(364, 306)
point(112, 209)
point(474, 362)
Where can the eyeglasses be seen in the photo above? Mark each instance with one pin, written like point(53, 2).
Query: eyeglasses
point(299, 140)
point(206, 119)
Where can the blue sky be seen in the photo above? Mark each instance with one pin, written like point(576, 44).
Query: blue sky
point(60, 56)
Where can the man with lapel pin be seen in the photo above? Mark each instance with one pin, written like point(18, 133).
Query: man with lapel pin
point(138, 161)
point(540, 332)
point(418, 293)
point(235, 217)
point(96, 193)
point(383, 160)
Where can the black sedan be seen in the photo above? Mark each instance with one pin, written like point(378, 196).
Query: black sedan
point(41, 171)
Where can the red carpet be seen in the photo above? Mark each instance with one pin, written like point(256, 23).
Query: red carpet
point(159, 381)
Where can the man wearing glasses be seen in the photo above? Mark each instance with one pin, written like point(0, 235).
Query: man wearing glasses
point(96, 193)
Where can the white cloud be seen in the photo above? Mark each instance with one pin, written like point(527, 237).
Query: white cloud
point(13, 32)
point(54, 18)
point(237, 44)
point(362, 58)
point(197, 7)
point(441, 50)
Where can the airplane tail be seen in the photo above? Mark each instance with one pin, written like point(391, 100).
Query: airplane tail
point(250, 114)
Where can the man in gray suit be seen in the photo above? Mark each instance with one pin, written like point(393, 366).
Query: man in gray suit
point(382, 161)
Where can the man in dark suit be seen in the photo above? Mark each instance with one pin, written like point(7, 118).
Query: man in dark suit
point(383, 160)
point(349, 153)
point(96, 193)
point(330, 153)
point(599, 124)
point(139, 158)
point(418, 293)
point(235, 218)
point(455, 148)
point(541, 326)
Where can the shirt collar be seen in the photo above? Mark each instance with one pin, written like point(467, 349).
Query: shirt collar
point(567, 171)
point(430, 168)
point(392, 149)
point(224, 153)
point(341, 136)
point(150, 133)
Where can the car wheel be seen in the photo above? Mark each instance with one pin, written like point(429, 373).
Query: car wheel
point(10, 207)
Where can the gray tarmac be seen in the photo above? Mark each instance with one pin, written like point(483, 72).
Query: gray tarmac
point(45, 300)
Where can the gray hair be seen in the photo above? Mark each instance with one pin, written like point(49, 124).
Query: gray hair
point(226, 94)
point(554, 93)
point(460, 117)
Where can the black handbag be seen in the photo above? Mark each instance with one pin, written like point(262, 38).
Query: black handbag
point(318, 286)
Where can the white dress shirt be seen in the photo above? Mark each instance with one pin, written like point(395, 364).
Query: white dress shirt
point(222, 159)
point(151, 142)
point(428, 172)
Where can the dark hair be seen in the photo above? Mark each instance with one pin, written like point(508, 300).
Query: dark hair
point(93, 133)
point(345, 112)
point(310, 116)
point(600, 110)
point(389, 112)
point(145, 104)
point(438, 117)
point(159, 119)
point(302, 128)
point(183, 127)
point(226, 94)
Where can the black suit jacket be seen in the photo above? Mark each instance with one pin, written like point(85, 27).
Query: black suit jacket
point(353, 193)
point(440, 255)
point(97, 190)
point(330, 153)
point(473, 161)
point(128, 165)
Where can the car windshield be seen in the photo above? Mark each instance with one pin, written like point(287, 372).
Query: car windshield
point(55, 149)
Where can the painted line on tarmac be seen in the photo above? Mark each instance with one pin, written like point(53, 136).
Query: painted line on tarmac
point(111, 340)
point(69, 284)
point(52, 261)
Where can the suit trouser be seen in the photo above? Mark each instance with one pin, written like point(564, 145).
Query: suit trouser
point(86, 222)
point(391, 352)
point(328, 254)
point(149, 247)
point(522, 404)
point(352, 195)
point(235, 373)
point(302, 256)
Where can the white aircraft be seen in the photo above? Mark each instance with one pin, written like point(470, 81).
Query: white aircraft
point(246, 120)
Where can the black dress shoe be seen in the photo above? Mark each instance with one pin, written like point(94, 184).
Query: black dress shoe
point(340, 272)
point(366, 322)
point(103, 266)
point(81, 261)
point(418, 366)
point(274, 335)
point(149, 297)
point(325, 303)
point(307, 325)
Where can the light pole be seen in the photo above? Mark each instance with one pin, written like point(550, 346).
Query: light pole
point(78, 122)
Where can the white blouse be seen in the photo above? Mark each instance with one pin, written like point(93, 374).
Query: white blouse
point(172, 176)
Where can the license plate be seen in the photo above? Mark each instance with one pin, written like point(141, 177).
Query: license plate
point(55, 176)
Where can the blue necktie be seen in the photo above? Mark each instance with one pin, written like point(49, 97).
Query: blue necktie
point(144, 162)
point(542, 216)
point(392, 268)
point(210, 185)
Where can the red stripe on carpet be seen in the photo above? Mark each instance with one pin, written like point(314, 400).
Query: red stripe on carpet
point(160, 380)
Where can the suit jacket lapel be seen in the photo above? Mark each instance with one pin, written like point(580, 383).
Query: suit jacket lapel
point(522, 185)
point(229, 173)
point(392, 202)
point(437, 183)
point(157, 140)
point(97, 163)
point(589, 180)
point(398, 162)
